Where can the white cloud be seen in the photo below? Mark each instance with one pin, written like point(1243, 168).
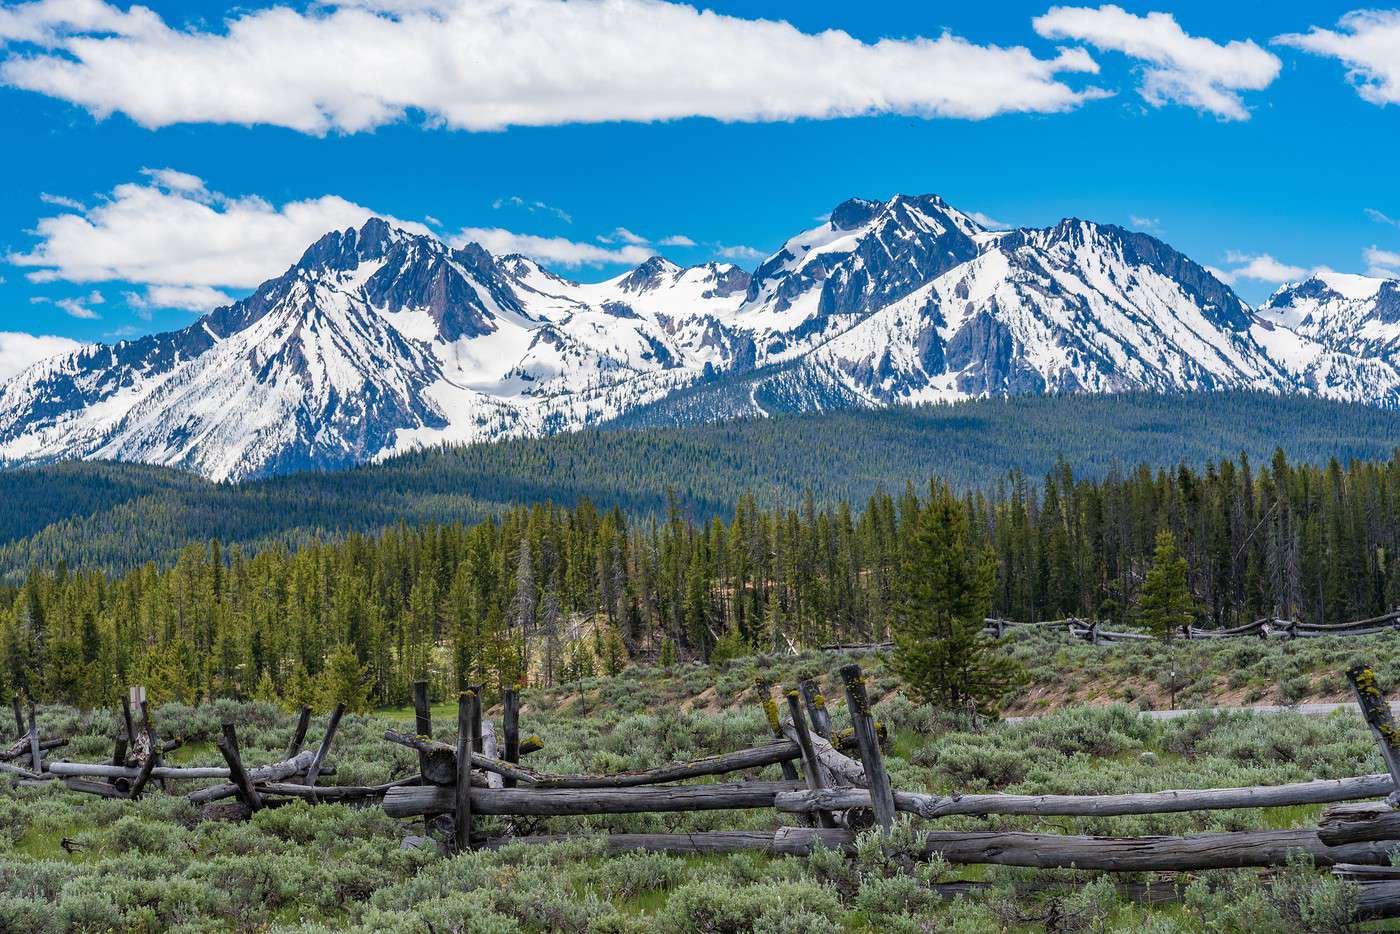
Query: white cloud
point(73, 204)
point(534, 207)
point(1368, 43)
point(173, 231)
point(74, 307)
point(1181, 69)
point(1260, 267)
point(1381, 218)
point(986, 220)
point(1145, 223)
point(626, 236)
point(677, 240)
point(187, 297)
point(741, 252)
point(19, 350)
point(1384, 263)
point(558, 250)
point(477, 65)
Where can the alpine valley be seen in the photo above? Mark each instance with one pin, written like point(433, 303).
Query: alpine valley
point(378, 341)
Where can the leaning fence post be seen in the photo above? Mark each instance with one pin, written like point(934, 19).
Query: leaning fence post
point(424, 720)
point(20, 728)
point(315, 768)
point(152, 753)
point(299, 735)
point(228, 745)
point(1382, 723)
point(126, 720)
point(815, 782)
point(478, 691)
point(816, 707)
point(468, 713)
point(770, 711)
point(510, 723)
point(858, 703)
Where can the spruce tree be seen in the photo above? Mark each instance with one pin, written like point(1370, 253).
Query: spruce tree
point(944, 594)
point(344, 681)
point(1165, 604)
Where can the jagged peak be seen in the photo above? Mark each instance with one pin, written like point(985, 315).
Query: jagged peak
point(648, 275)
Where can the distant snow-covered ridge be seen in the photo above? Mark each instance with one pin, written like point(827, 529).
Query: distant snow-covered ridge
point(378, 340)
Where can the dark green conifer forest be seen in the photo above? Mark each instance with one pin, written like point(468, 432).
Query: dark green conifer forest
point(548, 592)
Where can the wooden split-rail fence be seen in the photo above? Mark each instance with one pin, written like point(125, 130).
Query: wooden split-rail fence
point(1095, 633)
point(835, 784)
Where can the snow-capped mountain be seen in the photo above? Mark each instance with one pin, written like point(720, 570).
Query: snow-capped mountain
point(378, 340)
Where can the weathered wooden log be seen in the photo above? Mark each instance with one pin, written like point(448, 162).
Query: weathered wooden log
point(20, 747)
point(756, 757)
point(314, 770)
point(1376, 900)
point(228, 746)
point(127, 721)
point(877, 779)
point(531, 744)
point(317, 793)
point(437, 761)
point(461, 801)
point(1351, 872)
point(118, 760)
point(1354, 823)
point(7, 769)
point(770, 712)
point(1041, 851)
point(299, 734)
point(844, 771)
point(510, 725)
point(480, 693)
point(101, 789)
point(816, 707)
point(1154, 802)
point(811, 768)
point(274, 772)
point(412, 801)
point(490, 750)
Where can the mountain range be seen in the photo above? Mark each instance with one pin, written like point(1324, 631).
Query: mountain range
point(378, 341)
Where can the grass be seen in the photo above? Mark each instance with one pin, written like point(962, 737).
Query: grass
point(154, 866)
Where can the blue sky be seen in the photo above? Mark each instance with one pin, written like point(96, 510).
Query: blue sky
point(159, 159)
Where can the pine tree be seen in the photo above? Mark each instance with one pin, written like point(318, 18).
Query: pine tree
point(344, 681)
point(945, 593)
point(1165, 604)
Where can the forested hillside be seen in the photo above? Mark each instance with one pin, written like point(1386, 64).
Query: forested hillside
point(490, 602)
point(117, 517)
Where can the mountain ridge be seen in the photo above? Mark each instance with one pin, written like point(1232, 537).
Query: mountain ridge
point(378, 340)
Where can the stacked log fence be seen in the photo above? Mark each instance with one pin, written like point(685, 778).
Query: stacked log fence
point(834, 786)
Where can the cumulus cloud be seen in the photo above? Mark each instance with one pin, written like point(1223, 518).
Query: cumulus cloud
point(1181, 68)
point(171, 230)
point(185, 297)
point(1383, 263)
point(490, 64)
point(1368, 43)
point(18, 350)
point(677, 240)
point(559, 250)
point(73, 307)
point(1260, 267)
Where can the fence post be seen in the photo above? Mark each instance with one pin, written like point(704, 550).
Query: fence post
point(468, 712)
point(34, 751)
point(815, 782)
point(510, 724)
point(1382, 723)
point(299, 735)
point(20, 728)
point(424, 718)
point(315, 768)
point(770, 711)
point(858, 703)
point(479, 692)
point(816, 707)
point(228, 745)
